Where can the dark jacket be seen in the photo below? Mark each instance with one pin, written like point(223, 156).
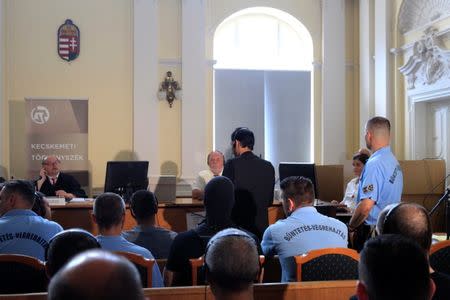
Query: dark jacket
point(254, 180)
point(65, 182)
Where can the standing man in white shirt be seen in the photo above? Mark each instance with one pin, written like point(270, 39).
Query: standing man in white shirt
point(215, 162)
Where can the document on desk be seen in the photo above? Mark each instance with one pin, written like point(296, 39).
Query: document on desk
point(77, 200)
point(56, 200)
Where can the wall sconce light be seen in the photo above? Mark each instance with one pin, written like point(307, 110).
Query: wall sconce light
point(169, 89)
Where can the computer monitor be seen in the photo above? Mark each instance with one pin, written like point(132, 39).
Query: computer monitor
point(308, 170)
point(126, 177)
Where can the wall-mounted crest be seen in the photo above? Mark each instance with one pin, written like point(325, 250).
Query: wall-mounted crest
point(68, 41)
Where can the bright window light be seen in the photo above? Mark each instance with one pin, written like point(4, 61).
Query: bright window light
point(262, 39)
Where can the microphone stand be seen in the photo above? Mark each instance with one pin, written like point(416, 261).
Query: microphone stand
point(445, 198)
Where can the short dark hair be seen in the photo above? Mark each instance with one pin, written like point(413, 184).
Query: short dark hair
point(22, 187)
point(410, 220)
point(65, 245)
point(394, 267)
point(233, 134)
point(121, 281)
point(246, 137)
point(298, 188)
point(143, 205)
point(231, 260)
point(378, 123)
point(362, 157)
point(109, 209)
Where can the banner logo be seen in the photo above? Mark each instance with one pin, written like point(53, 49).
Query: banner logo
point(40, 115)
point(68, 41)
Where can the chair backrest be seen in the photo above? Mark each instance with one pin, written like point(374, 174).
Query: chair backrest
point(161, 264)
point(143, 265)
point(22, 274)
point(327, 264)
point(440, 257)
point(196, 263)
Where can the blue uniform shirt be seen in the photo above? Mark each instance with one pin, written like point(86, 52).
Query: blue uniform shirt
point(381, 181)
point(304, 230)
point(24, 232)
point(119, 243)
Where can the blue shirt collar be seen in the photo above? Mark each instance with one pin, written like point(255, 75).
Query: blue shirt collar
point(20, 212)
point(304, 210)
point(381, 151)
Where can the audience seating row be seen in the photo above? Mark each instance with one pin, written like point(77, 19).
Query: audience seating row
point(313, 266)
point(330, 290)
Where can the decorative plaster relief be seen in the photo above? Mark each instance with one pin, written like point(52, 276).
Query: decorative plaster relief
point(429, 63)
point(414, 14)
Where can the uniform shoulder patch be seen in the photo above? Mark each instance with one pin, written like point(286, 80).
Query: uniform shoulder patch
point(368, 188)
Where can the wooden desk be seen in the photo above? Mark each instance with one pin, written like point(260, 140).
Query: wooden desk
point(170, 215)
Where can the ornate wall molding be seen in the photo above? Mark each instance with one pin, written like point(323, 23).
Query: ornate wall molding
point(429, 64)
point(414, 14)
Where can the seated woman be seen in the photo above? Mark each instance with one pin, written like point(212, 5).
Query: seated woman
point(359, 160)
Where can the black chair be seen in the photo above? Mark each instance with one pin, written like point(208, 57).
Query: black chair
point(327, 264)
point(440, 257)
point(22, 274)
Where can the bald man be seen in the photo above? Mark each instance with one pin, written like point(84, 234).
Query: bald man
point(215, 162)
point(412, 221)
point(96, 274)
point(381, 182)
point(52, 182)
point(232, 264)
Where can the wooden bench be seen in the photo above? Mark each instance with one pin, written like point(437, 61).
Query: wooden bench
point(318, 290)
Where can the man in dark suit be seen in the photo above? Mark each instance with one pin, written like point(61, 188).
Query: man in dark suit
point(53, 182)
point(253, 179)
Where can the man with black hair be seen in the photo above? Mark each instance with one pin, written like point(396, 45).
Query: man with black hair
point(94, 275)
point(65, 245)
point(157, 240)
point(109, 214)
point(254, 181)
point(304, 228)
point(393, 267)
point(232, 264)
point(219, 201)
point(22, 231)
point(412, 220)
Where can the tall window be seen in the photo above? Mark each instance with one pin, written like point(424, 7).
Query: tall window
point(263, 81)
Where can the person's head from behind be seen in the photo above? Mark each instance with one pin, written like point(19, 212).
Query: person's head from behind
point(297, 191)
point(65, 245)
point(219, 201)
point(96, 274)
point(144, 207)
point(393, 267)
point(109, 211)
point(16, 194)
point(381, 217)
point(216, 161)
point(359, 161)
point(41, 206)
point(242, 140)
point(52, 165)
point(232, 262)
point(378, 130)
point(410, 220)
